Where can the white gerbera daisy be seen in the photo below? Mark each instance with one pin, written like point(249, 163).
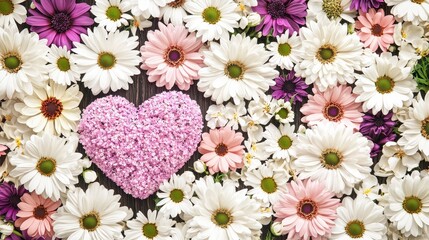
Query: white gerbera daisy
point(155, 226)
point(147, 8)
point(111, 14)
point(334, 155)
point(360, 218)
point(108, 60)
point(396, 160)
point(236, 68)
point(332, 9)
point(62, 68)
point(280, 141)
point(54, 109)
point(330, 55)
point(267, 184)
point(283, 112)
point(407, 206)
point(285, 51)
point(22, 61)
point(48, 165)
point(415, 11)
point(92, 214)
point(175, 196)
point(211, 19)
point(174, 12)
point(220, 212)
point(386, 85)
point(12, 12)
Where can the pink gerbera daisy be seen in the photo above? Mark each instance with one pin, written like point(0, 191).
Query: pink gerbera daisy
point(336, 104)
point(376, 29)
point(171, 56)
point(307, 211)
point(35, 215)
point(222, 150)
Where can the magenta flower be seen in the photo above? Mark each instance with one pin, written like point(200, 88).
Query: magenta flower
point(60, 21)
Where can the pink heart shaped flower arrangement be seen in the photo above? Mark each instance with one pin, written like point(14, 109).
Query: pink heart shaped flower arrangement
point(140, 148)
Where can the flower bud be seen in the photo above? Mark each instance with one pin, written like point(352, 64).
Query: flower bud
point(189, 176)
point(6, 228)
point(254, 19)
point(89, 176)
point(200, 166)
point(276, 228)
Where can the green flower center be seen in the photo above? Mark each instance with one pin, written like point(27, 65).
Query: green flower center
point(332, 8)
point(268, 185)
point(412, 204)
point(326, 53)
point(150, 230)
point(12, 63)
point(63, 64)
point(90, 222)
point(176, 195)
point(384, 84)
point(234, 70)
point(285, 142)
point(6, 7)
point(222, 218)
point(106, 60)
point(46, 166)
point(283, 113)
point(211, 15)
point(284, 49)
point(355, 229)
point(331, 159)
point(113, 13)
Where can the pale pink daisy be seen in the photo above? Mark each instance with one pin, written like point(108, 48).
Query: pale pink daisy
point(171, 56)
point(307, 211)
point(3, 150)
point(35, 215)
point(376, 29)
point(336, 104)
point(222, 150)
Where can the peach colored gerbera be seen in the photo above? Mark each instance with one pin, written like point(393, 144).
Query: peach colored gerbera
point(376, 29)
point(222, 150)
point(336, 104)
point(35, 215)
point(171, 56)
point(307, 211)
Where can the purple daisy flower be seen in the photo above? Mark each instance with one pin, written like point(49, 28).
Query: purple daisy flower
point(365, 5)
point(9, 199)
point(290, 86)
point(379, 141)
point(280, 15)
point(60, 21)
point(377, 124)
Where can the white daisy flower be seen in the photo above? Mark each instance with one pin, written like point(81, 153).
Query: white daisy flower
point(215, 116)
point(174, 12)
point(369, 188)
point(280, 141)
point(334, 155)
point(332, 9)
point(147, 8)
point(48, 165)
point(108, 60)
point(61, 66)
point(267, 184)
point(360, 218)
point(386, 85)
point(283, 112)
point(285, 51)
point(175, 196)
point(236, 72)
point(11, 13)
point(22, 61)
point(155, 226)
point(234, 114)
point(407, 205)
point(211, 19)
point(92, 214)
point(111, 14)
point(330, 55)
point(53, 109)
point(263, 110)
point(414, 11)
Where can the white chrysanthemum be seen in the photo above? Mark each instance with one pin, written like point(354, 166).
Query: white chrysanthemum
point(414, 11)
point(48, 165)
point(252, 127)
point(360, 218)
point(211, 19)
point(386, 85)
point(332, 9)
point(415, 130)
point(53, 109)
point(268, 185)
point(155, 226)
point(236, 68)
point(174, 12)
point(22, 61)
point(263, 110)
point(369, 188)
point(111, 14)
point(334, 155)
point(283, 112)
point(11, 13)
point(14, 134)
point(108, 60)
point(92, 214)
point(330, 55)
point(215, 116)
point(280, 141)
point(407, 204)
point(221, 212)
point(285, 51)
point(234, 113)
point(147, 8)
point(175, 196)
point(139, 22)
point(61, 66)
